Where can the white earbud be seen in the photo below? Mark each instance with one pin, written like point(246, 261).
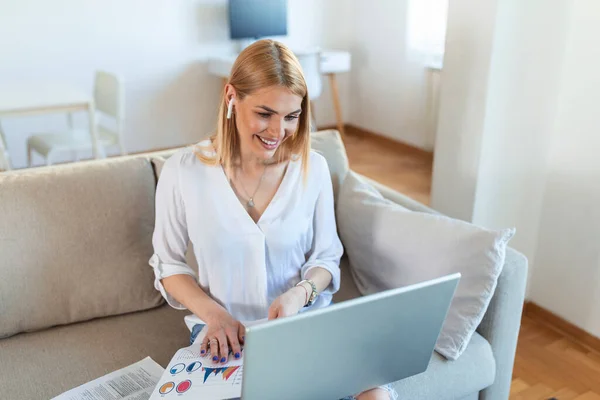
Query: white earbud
point(230, 108)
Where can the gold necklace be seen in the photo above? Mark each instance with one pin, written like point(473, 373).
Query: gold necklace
point(250, 203)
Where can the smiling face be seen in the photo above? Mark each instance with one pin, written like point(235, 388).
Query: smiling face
point(265, 119)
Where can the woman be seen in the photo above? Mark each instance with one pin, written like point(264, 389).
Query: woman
point(257, 205)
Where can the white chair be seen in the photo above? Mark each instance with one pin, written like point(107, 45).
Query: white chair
point(4, 156)
point(311, 67)
point(109, 100)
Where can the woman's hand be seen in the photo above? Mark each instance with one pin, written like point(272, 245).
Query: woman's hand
point(288, 304)
point(223, 333)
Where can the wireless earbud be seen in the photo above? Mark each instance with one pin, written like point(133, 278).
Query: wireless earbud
point(230, 108)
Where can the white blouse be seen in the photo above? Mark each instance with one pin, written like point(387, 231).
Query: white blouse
point(244, 265)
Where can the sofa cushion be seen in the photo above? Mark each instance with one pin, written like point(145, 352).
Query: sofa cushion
point(390, 246)
point(473, 371)
point(41, 365)
point(75, 241)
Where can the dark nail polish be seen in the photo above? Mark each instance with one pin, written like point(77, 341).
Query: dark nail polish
point(243, 337)
point(215, 358)
point(237, 355)
point(223, 359)
point(202, 351)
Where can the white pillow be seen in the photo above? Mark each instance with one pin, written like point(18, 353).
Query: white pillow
point(390, 246)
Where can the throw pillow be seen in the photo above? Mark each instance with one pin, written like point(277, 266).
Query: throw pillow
point(390, 246)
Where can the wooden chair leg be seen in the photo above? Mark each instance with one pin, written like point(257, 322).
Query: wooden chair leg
point(336, 103)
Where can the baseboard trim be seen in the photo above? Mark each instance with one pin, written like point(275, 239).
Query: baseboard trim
point(327, 127)
point(353, 130)
point(553, 321)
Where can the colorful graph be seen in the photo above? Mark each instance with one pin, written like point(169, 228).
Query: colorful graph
point(193, 366)
point(166, 388)
point(226, 372)
point(177, 368)
point(184, 386)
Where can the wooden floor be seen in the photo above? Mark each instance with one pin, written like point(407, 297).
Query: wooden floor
point(548, 363)
point(396, 165)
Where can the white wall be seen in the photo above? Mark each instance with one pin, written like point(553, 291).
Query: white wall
point(566, 278)
point(518, 138)
point(463, 98)
point(160, 48)
point(499, 96)
point(522, 98)
point(388, 87)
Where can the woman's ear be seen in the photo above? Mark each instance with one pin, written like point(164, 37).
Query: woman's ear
point(230, 92)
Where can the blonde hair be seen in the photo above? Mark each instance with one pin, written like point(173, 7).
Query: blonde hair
point(262, 64)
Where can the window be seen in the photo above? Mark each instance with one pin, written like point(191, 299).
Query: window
point(427, 20)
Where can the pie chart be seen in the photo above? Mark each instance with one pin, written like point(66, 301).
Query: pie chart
point(177, 368)
point(184, 386)
point(193, 366)
point(166, 388)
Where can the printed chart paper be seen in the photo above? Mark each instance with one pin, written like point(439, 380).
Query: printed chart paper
point(192, 376)
point(135, 382)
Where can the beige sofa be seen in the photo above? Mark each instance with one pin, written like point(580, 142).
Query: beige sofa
point(77, 298)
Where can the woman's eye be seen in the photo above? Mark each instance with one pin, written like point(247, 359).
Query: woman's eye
point(264, 115)
point(291, 117)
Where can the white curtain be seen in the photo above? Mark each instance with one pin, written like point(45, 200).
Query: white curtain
point(427, 30)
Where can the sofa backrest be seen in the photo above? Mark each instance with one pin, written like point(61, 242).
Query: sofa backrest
point(75, 241)
point(329, 144)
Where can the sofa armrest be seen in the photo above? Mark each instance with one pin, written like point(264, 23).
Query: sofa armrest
point(501, 323)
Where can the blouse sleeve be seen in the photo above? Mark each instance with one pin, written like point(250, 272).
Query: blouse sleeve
point(327, 249)
point(170, 238)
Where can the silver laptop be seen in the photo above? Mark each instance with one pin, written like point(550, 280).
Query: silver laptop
point(348, 347)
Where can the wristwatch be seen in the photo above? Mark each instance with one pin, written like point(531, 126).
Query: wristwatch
point(313, 296)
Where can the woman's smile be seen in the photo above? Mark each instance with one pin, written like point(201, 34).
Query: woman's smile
point(268, 143)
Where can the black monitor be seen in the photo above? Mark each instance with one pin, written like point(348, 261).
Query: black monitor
point(253, 19)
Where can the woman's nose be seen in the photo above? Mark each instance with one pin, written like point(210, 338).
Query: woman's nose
point(277, 126)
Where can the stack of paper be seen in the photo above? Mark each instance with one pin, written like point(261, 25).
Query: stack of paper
point(135, 382)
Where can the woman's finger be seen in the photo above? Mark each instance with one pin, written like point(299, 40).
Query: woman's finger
point(273, 311)
point(204, 347)
point(223, 348)
point(242, 334)
point(234, 342)
point(214, 349)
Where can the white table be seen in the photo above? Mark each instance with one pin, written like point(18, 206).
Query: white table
point(24, 99)
point(332, 62)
